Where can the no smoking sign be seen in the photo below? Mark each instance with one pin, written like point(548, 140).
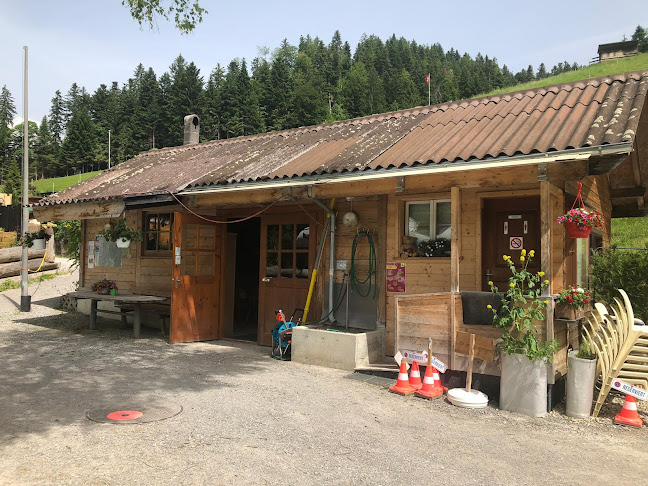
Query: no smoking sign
point(516, 242)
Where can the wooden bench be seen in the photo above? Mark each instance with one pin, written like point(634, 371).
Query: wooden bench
point(135, 300)
point(162, 309)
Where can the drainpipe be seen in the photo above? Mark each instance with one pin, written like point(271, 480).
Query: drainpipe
point(331, 214)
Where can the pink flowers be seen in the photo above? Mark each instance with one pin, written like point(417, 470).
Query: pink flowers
point(583, 217)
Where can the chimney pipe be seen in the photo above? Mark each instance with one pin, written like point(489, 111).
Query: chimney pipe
point(191, 129)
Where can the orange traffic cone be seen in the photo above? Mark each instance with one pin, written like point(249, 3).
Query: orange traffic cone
point(629, 415)
point(402, 386)
point(431, 384)
point(415, 377)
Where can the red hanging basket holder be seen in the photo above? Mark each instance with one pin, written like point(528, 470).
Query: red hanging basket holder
point(579, 221)
point(577, 231)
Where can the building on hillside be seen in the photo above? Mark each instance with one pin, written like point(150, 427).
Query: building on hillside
point(232, 227)
point(618, 50)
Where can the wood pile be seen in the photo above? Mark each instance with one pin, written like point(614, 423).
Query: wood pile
point(10, 261)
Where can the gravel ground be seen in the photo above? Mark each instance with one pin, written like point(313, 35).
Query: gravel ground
point(248, 419)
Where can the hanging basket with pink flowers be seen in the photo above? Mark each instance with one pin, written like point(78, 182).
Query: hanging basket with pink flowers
point(579, 220)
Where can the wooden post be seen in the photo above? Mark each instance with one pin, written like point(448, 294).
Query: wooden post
point(545, 264)
point(137, 320)
point(429, 363)
point(93, 313)
point(455, 259)
point(382, 262)
point(471, 359)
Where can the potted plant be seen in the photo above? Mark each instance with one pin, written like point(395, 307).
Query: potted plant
point(523, 385)
point(579, 222)
point(439, 247)
point(35, 239)
point(105, 287)
point(121, 234)
point(581, 375)
point(571, 303)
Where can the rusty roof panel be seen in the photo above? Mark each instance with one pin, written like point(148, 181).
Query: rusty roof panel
point(580, 114)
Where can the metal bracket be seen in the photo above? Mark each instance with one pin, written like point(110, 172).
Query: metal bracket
point(400, 184)
point(542, 172)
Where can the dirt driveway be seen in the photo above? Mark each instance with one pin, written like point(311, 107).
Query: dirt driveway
point(248, 419)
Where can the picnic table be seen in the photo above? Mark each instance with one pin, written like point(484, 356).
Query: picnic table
point(135, 300)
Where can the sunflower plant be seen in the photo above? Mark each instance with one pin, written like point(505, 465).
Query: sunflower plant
point(521, 305)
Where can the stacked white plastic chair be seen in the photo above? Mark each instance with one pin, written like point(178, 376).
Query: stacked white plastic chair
point(621, 346)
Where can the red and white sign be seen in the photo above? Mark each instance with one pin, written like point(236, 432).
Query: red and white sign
point(516, 243)
point(506, 227)
point(628, 389)
point(411, 356)
point(526, 227)
point(439, 365)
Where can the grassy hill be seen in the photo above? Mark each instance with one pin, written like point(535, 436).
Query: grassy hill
point(606, 68)
point(630, 232)
point(46, 186)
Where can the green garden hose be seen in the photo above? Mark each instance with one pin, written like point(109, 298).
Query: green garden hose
point(371, 277)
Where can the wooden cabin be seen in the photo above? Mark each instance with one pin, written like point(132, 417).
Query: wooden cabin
point(232, 227)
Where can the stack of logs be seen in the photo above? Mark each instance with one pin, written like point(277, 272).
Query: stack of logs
point(10, 261)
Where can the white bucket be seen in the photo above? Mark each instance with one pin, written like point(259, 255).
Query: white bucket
point(523, 385)
point(581, 374)
point(38, 244)
point(123, 243)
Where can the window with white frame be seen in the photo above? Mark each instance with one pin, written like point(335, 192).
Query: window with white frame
point(429, 223)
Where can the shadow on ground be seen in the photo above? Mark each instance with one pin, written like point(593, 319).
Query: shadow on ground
point(55, 368)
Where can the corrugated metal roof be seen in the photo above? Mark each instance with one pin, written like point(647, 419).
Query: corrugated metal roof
point(585, 113)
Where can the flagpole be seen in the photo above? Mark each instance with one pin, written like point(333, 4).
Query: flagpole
point(429, 83)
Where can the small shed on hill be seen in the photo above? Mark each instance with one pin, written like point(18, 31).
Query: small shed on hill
point(232, 227)
point(618, 50)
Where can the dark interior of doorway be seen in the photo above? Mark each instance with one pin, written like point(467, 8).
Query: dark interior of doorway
point(246, 293)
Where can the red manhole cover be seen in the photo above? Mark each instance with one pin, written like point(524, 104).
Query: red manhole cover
point(124, 415)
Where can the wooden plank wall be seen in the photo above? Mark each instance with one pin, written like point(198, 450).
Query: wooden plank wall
point(138, 274)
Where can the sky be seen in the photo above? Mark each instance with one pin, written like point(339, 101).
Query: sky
point(91, 42)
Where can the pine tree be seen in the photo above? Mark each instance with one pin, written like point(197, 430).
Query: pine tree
point(355, 91)
point(57, 119)
point(641, 35)
point(7, 114)
point(79, 147)
point(43, 160)
point(13, 183)
point(542, 71)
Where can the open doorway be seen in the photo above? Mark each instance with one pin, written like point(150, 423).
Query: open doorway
point(245, 312)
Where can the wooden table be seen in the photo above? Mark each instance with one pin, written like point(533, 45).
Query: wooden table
point(133, 299)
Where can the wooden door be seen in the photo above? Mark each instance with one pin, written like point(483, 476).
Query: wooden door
point(196, 286)
point(287, 257)
point(508, 226)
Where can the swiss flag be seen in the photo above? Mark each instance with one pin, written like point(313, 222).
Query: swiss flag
point(427, 79)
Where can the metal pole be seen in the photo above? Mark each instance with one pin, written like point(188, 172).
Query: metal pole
point(25, 298)
point(109, 149)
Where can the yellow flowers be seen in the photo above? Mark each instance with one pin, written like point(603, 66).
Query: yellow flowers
point(490, 283)
point(522, 258)
point(546, 282)
point(489, 306)
point(532, 253)
point(546, 302)
point(523, 252)
point(506, 258)
point(541, 274)
point(511, 285)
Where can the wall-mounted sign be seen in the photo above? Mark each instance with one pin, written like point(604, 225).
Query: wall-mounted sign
point(516, 243)
point(506, 227)
point(395, 277)
point(526, 227)
point(514, 216)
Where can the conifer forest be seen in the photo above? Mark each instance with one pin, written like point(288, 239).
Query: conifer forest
point(290, 86)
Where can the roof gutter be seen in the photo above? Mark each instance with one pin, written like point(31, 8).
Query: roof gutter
point(514, 161)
